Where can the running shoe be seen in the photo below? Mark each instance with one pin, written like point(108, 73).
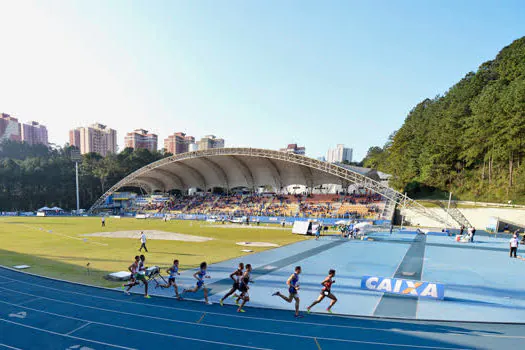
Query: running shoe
point(147, 297)
point(127, 293)
point(329, 311)
point(308, 310)
point(208, 303)
point(237, 302)
point(299, 316)
point(221, 302)
point(241, 310)
point(274, 294)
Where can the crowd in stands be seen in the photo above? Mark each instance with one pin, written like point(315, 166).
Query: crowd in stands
point(354, 206)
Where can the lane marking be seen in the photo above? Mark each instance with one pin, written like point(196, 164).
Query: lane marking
point(410, 322)
point(216, 326)
point(79, 328)
point(9, 347)
point(65, 335)
point(128, 329)
point(317, 343)
point(202, 317)
point(21, 314)
point(29, 301)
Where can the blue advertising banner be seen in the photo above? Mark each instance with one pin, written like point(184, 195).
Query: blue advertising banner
point(418, 289)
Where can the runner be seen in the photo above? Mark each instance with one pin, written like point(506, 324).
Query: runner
point(132, 281)
point(248, 273)
point(326, 292)
point(293, 290)
point(236, 277)
point(200, 276)
point(141, 275)
point(173, 271)
point(243, 287)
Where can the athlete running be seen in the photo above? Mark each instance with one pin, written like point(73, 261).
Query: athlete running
point(173, 272)
point(236, 277)
point(243, 287)
point(200, 276)
point(326, 292)
point(132, 281)
point(293, 290)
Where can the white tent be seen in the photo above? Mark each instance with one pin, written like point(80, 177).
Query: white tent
point(56, 209)
point(44, 209)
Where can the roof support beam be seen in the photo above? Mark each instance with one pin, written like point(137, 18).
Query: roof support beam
point(219, 171)
point(245, 170)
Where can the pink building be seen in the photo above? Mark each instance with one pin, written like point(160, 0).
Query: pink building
point(140, 138)
point(34, 133)
point(178, 143)
point(9, 128)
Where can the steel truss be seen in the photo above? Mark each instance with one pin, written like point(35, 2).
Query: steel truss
point(346, 175)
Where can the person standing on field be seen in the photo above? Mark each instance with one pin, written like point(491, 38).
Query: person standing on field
point(103, 221)
point(143, 241)
point(513, 246)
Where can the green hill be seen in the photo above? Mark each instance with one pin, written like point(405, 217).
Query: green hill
point(469, 141)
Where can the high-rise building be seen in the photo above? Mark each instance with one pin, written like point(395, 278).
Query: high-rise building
point(9, 128)
point(178, 143)
point(293, 148)
point(339, 154)
point(97, 138)
point(140, 138)
point(34, 133)
point(209, 142)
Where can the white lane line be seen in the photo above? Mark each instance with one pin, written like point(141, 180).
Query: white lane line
point(397, 330)
point(216, 326)
point(126, 328)
point(65, 335)
point(9, 347)
point(29, 301)
point(79, 328)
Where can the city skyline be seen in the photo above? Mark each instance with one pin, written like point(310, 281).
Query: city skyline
point(261, 75)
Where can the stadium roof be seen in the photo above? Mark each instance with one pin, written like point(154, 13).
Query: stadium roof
point(246, 167)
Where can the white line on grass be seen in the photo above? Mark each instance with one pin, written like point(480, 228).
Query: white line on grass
point(245, 330)
point(63, 235)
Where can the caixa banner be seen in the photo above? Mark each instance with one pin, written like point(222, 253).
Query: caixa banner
point(404, 287)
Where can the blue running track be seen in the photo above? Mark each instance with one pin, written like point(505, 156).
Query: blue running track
point(42, 313)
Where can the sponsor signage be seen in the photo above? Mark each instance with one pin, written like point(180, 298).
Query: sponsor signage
point(419, 289)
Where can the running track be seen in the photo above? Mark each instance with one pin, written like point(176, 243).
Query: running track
point(42, 313)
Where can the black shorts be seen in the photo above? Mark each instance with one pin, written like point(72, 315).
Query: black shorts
point(325, 292)
point(243, 288)
point(235, 286)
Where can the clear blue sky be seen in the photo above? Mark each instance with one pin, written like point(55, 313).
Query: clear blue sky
point(258, 73)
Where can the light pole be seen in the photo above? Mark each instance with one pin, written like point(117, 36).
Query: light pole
point(76, 157)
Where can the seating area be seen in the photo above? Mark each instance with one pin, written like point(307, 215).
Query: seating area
point(359, 206)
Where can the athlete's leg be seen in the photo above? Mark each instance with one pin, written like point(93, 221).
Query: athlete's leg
point(334, 300)
point(317, 301)
point(230, 292)
point(297, 300)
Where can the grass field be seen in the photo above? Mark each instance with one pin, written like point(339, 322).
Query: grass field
point(64, 252)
